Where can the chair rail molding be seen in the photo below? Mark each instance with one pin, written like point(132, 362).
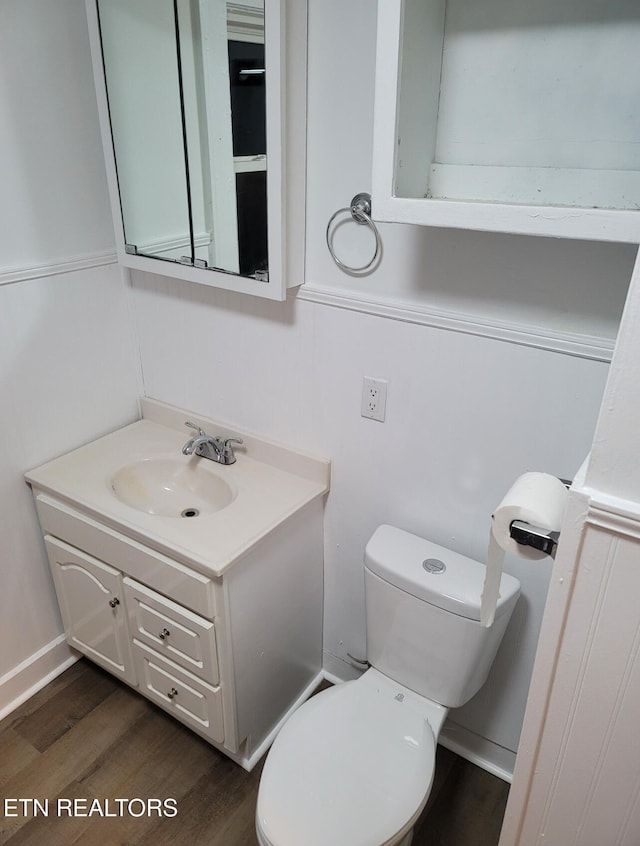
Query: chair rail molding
point(56, 267)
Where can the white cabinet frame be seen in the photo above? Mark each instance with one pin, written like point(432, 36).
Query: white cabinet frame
point(286, 60)
point(557, 221)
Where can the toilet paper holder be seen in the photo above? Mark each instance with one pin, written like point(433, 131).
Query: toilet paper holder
point(541, 539)
point(535, 536)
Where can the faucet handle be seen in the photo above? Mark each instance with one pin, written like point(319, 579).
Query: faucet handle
point(228, 456)
point(200, 431)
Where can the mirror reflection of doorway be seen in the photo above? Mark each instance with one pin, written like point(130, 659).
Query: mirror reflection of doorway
point(191, 172)
point(248, 115)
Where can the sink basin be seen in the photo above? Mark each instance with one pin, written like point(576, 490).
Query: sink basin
point(172, 487)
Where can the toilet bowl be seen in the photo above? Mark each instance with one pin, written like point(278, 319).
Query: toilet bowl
point(354, 765)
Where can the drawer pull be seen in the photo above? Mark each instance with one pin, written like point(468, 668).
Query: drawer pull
point(114, 602)
point(164, 633)
point(172, 693)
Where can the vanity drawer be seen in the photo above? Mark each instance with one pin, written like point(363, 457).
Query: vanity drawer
point(173, 631)
point(188, 587)
point(187, 698)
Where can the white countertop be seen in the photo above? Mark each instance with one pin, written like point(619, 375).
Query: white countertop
point(266, 494)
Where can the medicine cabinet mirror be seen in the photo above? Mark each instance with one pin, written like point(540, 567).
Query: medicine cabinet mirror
point(199, 153)
point(509, 116)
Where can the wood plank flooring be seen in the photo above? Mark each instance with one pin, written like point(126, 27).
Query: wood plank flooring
point(88, 737)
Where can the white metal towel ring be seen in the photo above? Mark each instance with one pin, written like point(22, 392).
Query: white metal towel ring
point(360, 211)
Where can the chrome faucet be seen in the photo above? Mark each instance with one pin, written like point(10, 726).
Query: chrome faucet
point(213, 447)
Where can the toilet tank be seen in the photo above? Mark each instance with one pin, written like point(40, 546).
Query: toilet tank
point(423, 616)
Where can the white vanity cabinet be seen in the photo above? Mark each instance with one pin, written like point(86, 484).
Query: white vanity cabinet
point(142, 637)
point(232, 658)
point(213, 612)
point(165, 649)
point(509, 117)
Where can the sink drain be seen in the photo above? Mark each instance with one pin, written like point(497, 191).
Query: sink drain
point(190, 512)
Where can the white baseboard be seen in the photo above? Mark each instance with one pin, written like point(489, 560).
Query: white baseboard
point(478, 750)
point(23, 681)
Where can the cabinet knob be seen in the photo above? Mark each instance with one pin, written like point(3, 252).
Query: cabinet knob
point(114, 602)
point(172, 693)
point(164, 633)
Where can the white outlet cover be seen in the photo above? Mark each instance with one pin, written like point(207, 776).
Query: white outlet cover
point(374, 398)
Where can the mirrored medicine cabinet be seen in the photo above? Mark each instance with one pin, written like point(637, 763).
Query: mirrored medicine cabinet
point(509, 116)
point(203, 123)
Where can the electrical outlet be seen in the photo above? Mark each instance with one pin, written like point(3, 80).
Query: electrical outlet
point(374, 398)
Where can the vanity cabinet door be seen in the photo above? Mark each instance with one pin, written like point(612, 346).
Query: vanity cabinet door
point(91, 599)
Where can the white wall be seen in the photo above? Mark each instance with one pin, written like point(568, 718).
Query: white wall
point(614, 467)
point(68, 368)
point(51, 164)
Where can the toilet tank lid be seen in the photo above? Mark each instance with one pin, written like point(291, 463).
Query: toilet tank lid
point(398, 557)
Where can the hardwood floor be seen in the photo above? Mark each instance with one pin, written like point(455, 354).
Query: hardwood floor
point(88, 737)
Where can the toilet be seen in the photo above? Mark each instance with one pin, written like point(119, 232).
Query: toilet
point(354, 765)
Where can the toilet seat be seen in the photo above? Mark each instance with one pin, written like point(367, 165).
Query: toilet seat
point(352, 767)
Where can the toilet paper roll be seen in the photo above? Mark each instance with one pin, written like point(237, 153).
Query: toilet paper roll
point(536, 498)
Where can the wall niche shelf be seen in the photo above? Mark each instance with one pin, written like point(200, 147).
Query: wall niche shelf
point(509, 117)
